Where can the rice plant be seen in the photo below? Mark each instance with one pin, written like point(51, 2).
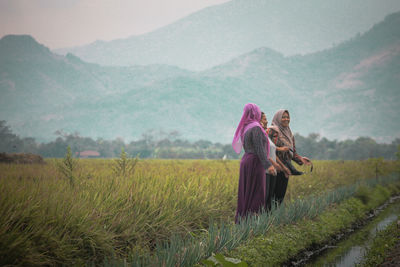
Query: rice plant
point(67, 166)
point(124, 165)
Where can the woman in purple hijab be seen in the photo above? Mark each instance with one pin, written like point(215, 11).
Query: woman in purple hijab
point(254, 164)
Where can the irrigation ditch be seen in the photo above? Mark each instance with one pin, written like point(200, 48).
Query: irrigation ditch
point(347, 248)
point(306, 240)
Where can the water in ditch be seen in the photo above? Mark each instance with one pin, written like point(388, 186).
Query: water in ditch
point(350, 251)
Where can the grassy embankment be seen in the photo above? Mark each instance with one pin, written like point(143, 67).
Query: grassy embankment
point(383, 244)
point(284, 241)
point(45, 220)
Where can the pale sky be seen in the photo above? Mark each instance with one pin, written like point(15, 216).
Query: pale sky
point(67, 23)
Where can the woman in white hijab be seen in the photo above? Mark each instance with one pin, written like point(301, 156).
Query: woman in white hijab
point(281, 120)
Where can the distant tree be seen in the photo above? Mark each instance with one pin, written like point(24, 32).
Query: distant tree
point(29, 145)
point(117, 145)
point(164, 143)
point(203, 144)
point(168, 145)
point(55, 149)
point(229, 152)
point(173, 135)
point(9, 142)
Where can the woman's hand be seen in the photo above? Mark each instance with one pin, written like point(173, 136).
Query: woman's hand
point(278, 168)
point(287, 172)
point(276, 165)
point(283, 148)
point(306, 161)
point(271, 170)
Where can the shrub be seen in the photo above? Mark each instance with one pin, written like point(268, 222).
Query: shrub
point(67, 167)
point(125, 166)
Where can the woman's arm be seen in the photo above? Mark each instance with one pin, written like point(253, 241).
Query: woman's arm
point(282, 148)
point(276, 165)
point(259, 142)
point(284, 168)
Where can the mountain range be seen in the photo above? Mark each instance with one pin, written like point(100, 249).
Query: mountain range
point(217, 34)
point(346, 91)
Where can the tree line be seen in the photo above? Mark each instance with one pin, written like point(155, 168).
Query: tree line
point(170, 145)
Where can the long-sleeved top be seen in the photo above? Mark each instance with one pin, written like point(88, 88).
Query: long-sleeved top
point(272, 150)
point(255, 142)
point(285, 155)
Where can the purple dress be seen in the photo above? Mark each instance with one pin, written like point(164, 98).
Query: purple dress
point(252, 185)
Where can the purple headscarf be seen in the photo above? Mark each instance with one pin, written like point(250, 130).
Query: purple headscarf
point(251, 118)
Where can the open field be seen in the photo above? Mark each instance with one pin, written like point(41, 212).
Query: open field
point(46, 220)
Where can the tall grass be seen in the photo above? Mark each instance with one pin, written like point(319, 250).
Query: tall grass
point(225, 237)
point(45, 221)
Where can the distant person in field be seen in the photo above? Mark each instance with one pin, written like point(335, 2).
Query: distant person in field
point(254, 164)
point(286, 139)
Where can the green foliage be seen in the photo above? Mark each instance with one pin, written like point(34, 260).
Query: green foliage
point(381, 246)
point(67, 167)
point(398, 152)
point(285, 241)
point(9, 142)
point(172, 147)
point(364, 194)
point(359, 149)
point(216, 260)
point(125, 166)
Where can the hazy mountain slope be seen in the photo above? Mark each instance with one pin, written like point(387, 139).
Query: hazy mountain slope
point(219, 33)
point(348, 91)
point(359, 82)
point(42, 92)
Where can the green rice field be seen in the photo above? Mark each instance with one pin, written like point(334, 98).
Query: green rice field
point(95, 213)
